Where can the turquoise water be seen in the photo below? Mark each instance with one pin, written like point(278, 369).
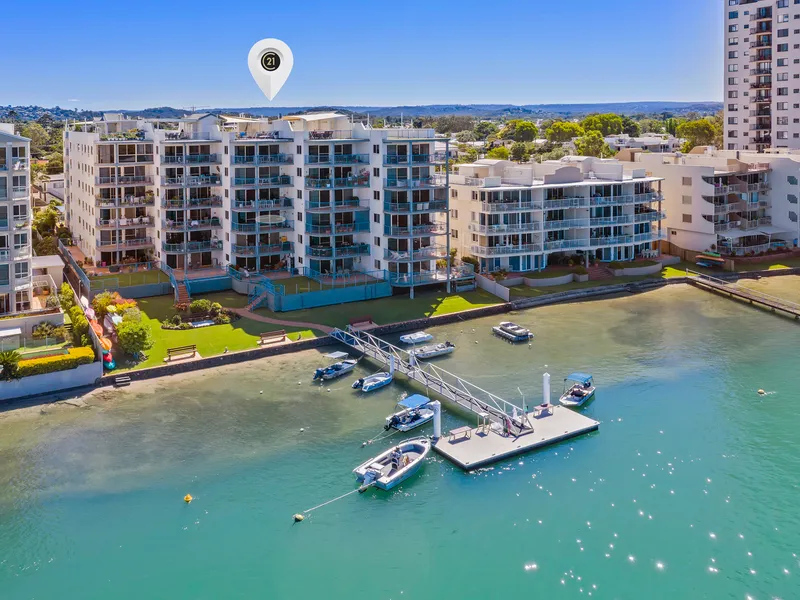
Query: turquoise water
point(688, 490)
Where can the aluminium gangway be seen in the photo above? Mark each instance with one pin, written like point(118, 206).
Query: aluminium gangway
point(451, 387)
point(738, 292)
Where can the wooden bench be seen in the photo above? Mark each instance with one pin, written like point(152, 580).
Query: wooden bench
point(465, 432)
point(191, 349)
point(272, 336)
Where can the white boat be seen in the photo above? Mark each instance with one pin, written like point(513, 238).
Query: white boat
point(416, 338)
point(413, 413)
point(578, 390)
point(433, 350)
point(337, 369)
point(394, 466)
point(512, 332)
point(373, 382)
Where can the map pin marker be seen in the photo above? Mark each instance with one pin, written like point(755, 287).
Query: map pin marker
point(270, 63)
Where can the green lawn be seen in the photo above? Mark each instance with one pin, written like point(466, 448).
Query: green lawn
point(390, 310)
point(115, 280)
point(239, 335)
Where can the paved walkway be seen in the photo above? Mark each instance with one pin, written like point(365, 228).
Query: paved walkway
point(243, 312)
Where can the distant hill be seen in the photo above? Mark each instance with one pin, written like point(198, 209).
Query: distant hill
point(486, 111)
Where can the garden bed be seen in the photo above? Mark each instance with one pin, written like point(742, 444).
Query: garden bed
point(199, 313)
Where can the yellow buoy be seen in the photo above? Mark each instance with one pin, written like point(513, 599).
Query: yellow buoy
point(761, 392)
point(187, 498)
point(298, 517)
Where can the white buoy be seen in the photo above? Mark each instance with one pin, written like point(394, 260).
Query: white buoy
point(436, 407)
point(302, 429)
point(546, 388)
point(261, 392)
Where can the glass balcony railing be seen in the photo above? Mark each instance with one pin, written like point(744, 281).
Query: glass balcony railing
point(337, 229)
point(566, 244)
point(416, 230)
point(338, 205)
point(505, 228)
point(270, 181)
point(504, 250)
point(599, 242)
point(251, 227)
point(191, 180)
point(122, 223)
point(276, 203)
point(414, 182)
point(415, 207)
point(192, 246)
point(492, 207)
point(351, 159)
point(127, 243)
point(566, 224)
point(424, 253)
point(338, 251)
point(262, 249)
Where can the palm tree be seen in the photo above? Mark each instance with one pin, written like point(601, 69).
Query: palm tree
point(9, 363)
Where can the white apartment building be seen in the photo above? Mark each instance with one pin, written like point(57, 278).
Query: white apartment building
point(762, 74)
point(15, 222)
point(735, 203)
point(517, 217)
point(652, 142)
point(315, 192)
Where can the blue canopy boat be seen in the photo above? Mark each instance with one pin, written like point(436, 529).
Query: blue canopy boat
point(412, 414)
point(578, 390)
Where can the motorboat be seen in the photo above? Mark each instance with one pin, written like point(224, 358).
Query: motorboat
point(416, 338)
point(512, 332)
point(413, 413)
point(578, 390)
point(373, 382)
point(337, 369)
point(433, 350)
point(394, 466)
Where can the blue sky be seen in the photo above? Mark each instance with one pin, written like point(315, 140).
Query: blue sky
point(102, 55)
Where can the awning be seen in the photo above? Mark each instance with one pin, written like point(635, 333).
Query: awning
point(738, 233)
point(415, 401)
point(772, 230)
point(583, 378)
point(337, 355)
point(4, 333)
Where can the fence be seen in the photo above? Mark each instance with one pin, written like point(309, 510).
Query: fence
point(30, 347)
point(65, 253)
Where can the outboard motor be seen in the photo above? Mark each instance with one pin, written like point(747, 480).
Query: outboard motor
point(392, 422)
point(358, 384)
point(318, 374)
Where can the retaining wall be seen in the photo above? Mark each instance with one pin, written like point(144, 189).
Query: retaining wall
point(638, 271)
point(27, 323)
point(206, 286)
point(49, 383)
point(493, 287)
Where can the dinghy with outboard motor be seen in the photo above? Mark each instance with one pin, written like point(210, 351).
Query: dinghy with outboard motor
point(394, 466)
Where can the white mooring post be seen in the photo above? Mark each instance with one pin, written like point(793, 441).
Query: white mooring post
point(391, 364)
point(437, 419)
point(546, 388)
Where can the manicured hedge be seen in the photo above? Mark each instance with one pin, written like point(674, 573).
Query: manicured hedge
point(51, 364)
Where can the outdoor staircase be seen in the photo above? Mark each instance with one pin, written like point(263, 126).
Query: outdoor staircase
point(257, 300)
point(600, 272)
point(183, 294)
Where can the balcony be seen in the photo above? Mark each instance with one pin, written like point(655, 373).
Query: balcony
point(262, 249)
point(262, 136)
point(190, 159)
point(566, 224)
point(332, 134)
point(128, 243)
point(346, 205)
point(758, 85)
point(272, 181)
point(611, 200)
point(761, 186)
point(649, 217)
point(337, 229)
point(126, 201)
point(130, 223)
point(262, 227)
point(5, 255)
point(487, 251)
point(761, 56)
point(192, 246)
point(416, 159)
point(432, 181)
point(761, 71)
point(178, 203)
point(271, 204)
point(601, 242)
point(611, 221)
point(461, 272)
point(125, 180)
point(563, 203)
point(424, 253)
point(761, 98)
point(417, 230)
point(318, 159)
point(22, 251)
point(132, 135)
point(763, 139)
point(492, 207)
point(191, 180)
point(21, 221)
point(502, 228)
point(127, 159)
point(650, 236)
point(761, 14)
point(565, 244)
point(181, 136)
point(351, 159)
point(339, 182)
point(415, 207)
point(761, 126)
point(338, 251)
point(765, 42)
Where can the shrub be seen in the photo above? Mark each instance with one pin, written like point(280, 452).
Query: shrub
point(216, 308)
point(615, 265)
point(50, 364)
point(101, 303)
point(80, 327)
point(222, 319)
point(200, 306)
point(45, 329)
point(66, 297)
point(471, 260)
point(580, 270)
point(132, 314)
point(134, 337)
point(185, 326)
point(53, 302)
point(9, 361)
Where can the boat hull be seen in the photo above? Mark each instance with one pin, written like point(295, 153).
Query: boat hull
point(425, 416)
point(329, 373)
point(416, 338)
point(378, 471)
point(573, 402)
point(428, 352)
point(372, 384)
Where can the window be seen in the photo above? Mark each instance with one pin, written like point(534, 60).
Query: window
point(733, 68)
point(376, 218)
point(377, 265)
point(782, 121)
point(376, 241)
point(732, 133)
point(733, 54)
point(782, 77)
point(687, 218)
point(376, 149)
point(300, 216)
point(782, 106)
point(733, 41)
point(299, 194)
point(733, 28)
point(686, 181)
point(453, 213)
point(376, 172)
point(784, 18)
point(454, 234)
point(733, 120)
point(782, 3)
point(453, 193)
point(782, 135)
point(686, 199)
point(734, 14)
point(376, 195)
point(474, 195)
point(733, 108)
point(733, 80)
point(783, 33)
point(299, 238)
point(783, 62)
point(783, 91)
point(21, 270)
point(783, 47)
point(299, 172)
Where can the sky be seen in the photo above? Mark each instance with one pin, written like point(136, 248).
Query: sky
point(133, 55)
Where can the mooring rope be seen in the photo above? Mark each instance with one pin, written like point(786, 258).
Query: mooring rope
point(330, 501)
